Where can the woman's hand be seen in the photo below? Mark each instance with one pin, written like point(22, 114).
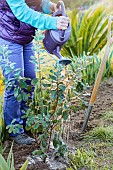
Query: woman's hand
point(62, 22)
point(53, 7)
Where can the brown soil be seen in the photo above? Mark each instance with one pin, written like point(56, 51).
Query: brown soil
point(21, 153)
point(104, 102)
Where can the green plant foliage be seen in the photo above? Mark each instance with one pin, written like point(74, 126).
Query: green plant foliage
point(14, 128)
point(109, 66)
point(1, 123)
point(89, 30)
point(9, 164)
point(81, 159)
point(100, 133)
point(54, 98)
point(54, 94)
point(48, 109)
point(1, 108)
point(77, 4)
point(108, 116)
point(91, 69)
point(24, 166)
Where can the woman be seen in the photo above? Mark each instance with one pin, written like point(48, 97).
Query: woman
point(18, 21)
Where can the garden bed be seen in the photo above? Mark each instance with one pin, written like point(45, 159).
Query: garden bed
point(104, 103)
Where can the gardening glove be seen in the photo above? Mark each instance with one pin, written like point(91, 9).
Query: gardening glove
point(62, 22)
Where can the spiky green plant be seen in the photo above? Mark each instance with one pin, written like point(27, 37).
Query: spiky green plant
point(109, 66)
point(81, 160)
point(9, 163)
point(89, 30)
point(78, 3)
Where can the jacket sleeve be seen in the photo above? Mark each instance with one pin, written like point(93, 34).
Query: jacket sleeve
point(25, 14)
point(46, 6)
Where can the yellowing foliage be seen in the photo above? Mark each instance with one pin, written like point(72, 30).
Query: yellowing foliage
point(111, 66)
point(1, 84)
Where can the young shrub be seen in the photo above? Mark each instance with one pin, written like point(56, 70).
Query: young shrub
point(54, 97)
point(53, 101)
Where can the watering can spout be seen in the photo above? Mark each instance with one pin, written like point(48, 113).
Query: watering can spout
point(62, 60)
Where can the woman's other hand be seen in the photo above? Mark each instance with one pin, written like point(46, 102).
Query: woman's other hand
point(53, 7)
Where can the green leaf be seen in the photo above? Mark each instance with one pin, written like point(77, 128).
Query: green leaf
point(13, 121)
point(60, 101)
point(34, 81)
point(16, 92)
point(55, 142)
point(53, 94)
point(23, 84)
point(37, 152)
point(3, 163)
point(66, 106)
point(11, 129)
point(41, 136)
point(35, 127)
point(61, 95)
point(17, 74)
point(29, 88)
point(7, 70)
point(44, 124)
point(55, 121)
point(16, 130)
point(62, 87)
point(19, 97)
point(0, 58)
point(42, 58)
point(9, 157)
point(53, 77)
point(27, 128)
point(51, 71)
point(44, 144)
point(25, 96)
point(94, 22)
point(47, 85)
point(12, 163)
point(12, 65)
point(24, 166)
point(41, 38)
point(59, 112)
point(65, 115)
point(44, 156)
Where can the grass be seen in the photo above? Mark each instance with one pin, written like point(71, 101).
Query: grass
point(101, 134)
point(108, 116)
point(99, 141)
